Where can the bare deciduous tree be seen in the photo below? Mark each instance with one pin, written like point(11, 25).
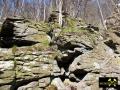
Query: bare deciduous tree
point(40, 10)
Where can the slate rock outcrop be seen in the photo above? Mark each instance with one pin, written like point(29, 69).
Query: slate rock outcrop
point(81, 57)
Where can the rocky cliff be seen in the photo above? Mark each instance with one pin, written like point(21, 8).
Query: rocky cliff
point(38, 56)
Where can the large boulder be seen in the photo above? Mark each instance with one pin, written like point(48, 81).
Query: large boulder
point(19, 32)
point(16, 28)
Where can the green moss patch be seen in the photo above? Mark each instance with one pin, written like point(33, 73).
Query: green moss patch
point(72, 29)
point(41, 26)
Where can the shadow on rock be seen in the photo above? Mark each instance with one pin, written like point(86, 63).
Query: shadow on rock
point(8, 43)
point(15, 32)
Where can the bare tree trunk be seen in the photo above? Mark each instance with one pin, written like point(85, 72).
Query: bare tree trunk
point(102, 18)
point(2, 8)
point(78, 9)
point(38, 10)
point(84, 9)
point(60, 12)
point(51, 6)
point(22, 7)
point(108, 7)
point(44, 11)
point(5, 8)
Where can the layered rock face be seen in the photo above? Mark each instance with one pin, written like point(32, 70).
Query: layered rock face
point(24, 57)
point(16, 31)
point(32, 59)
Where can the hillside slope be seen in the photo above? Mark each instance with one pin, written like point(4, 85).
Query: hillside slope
point(38, 56)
